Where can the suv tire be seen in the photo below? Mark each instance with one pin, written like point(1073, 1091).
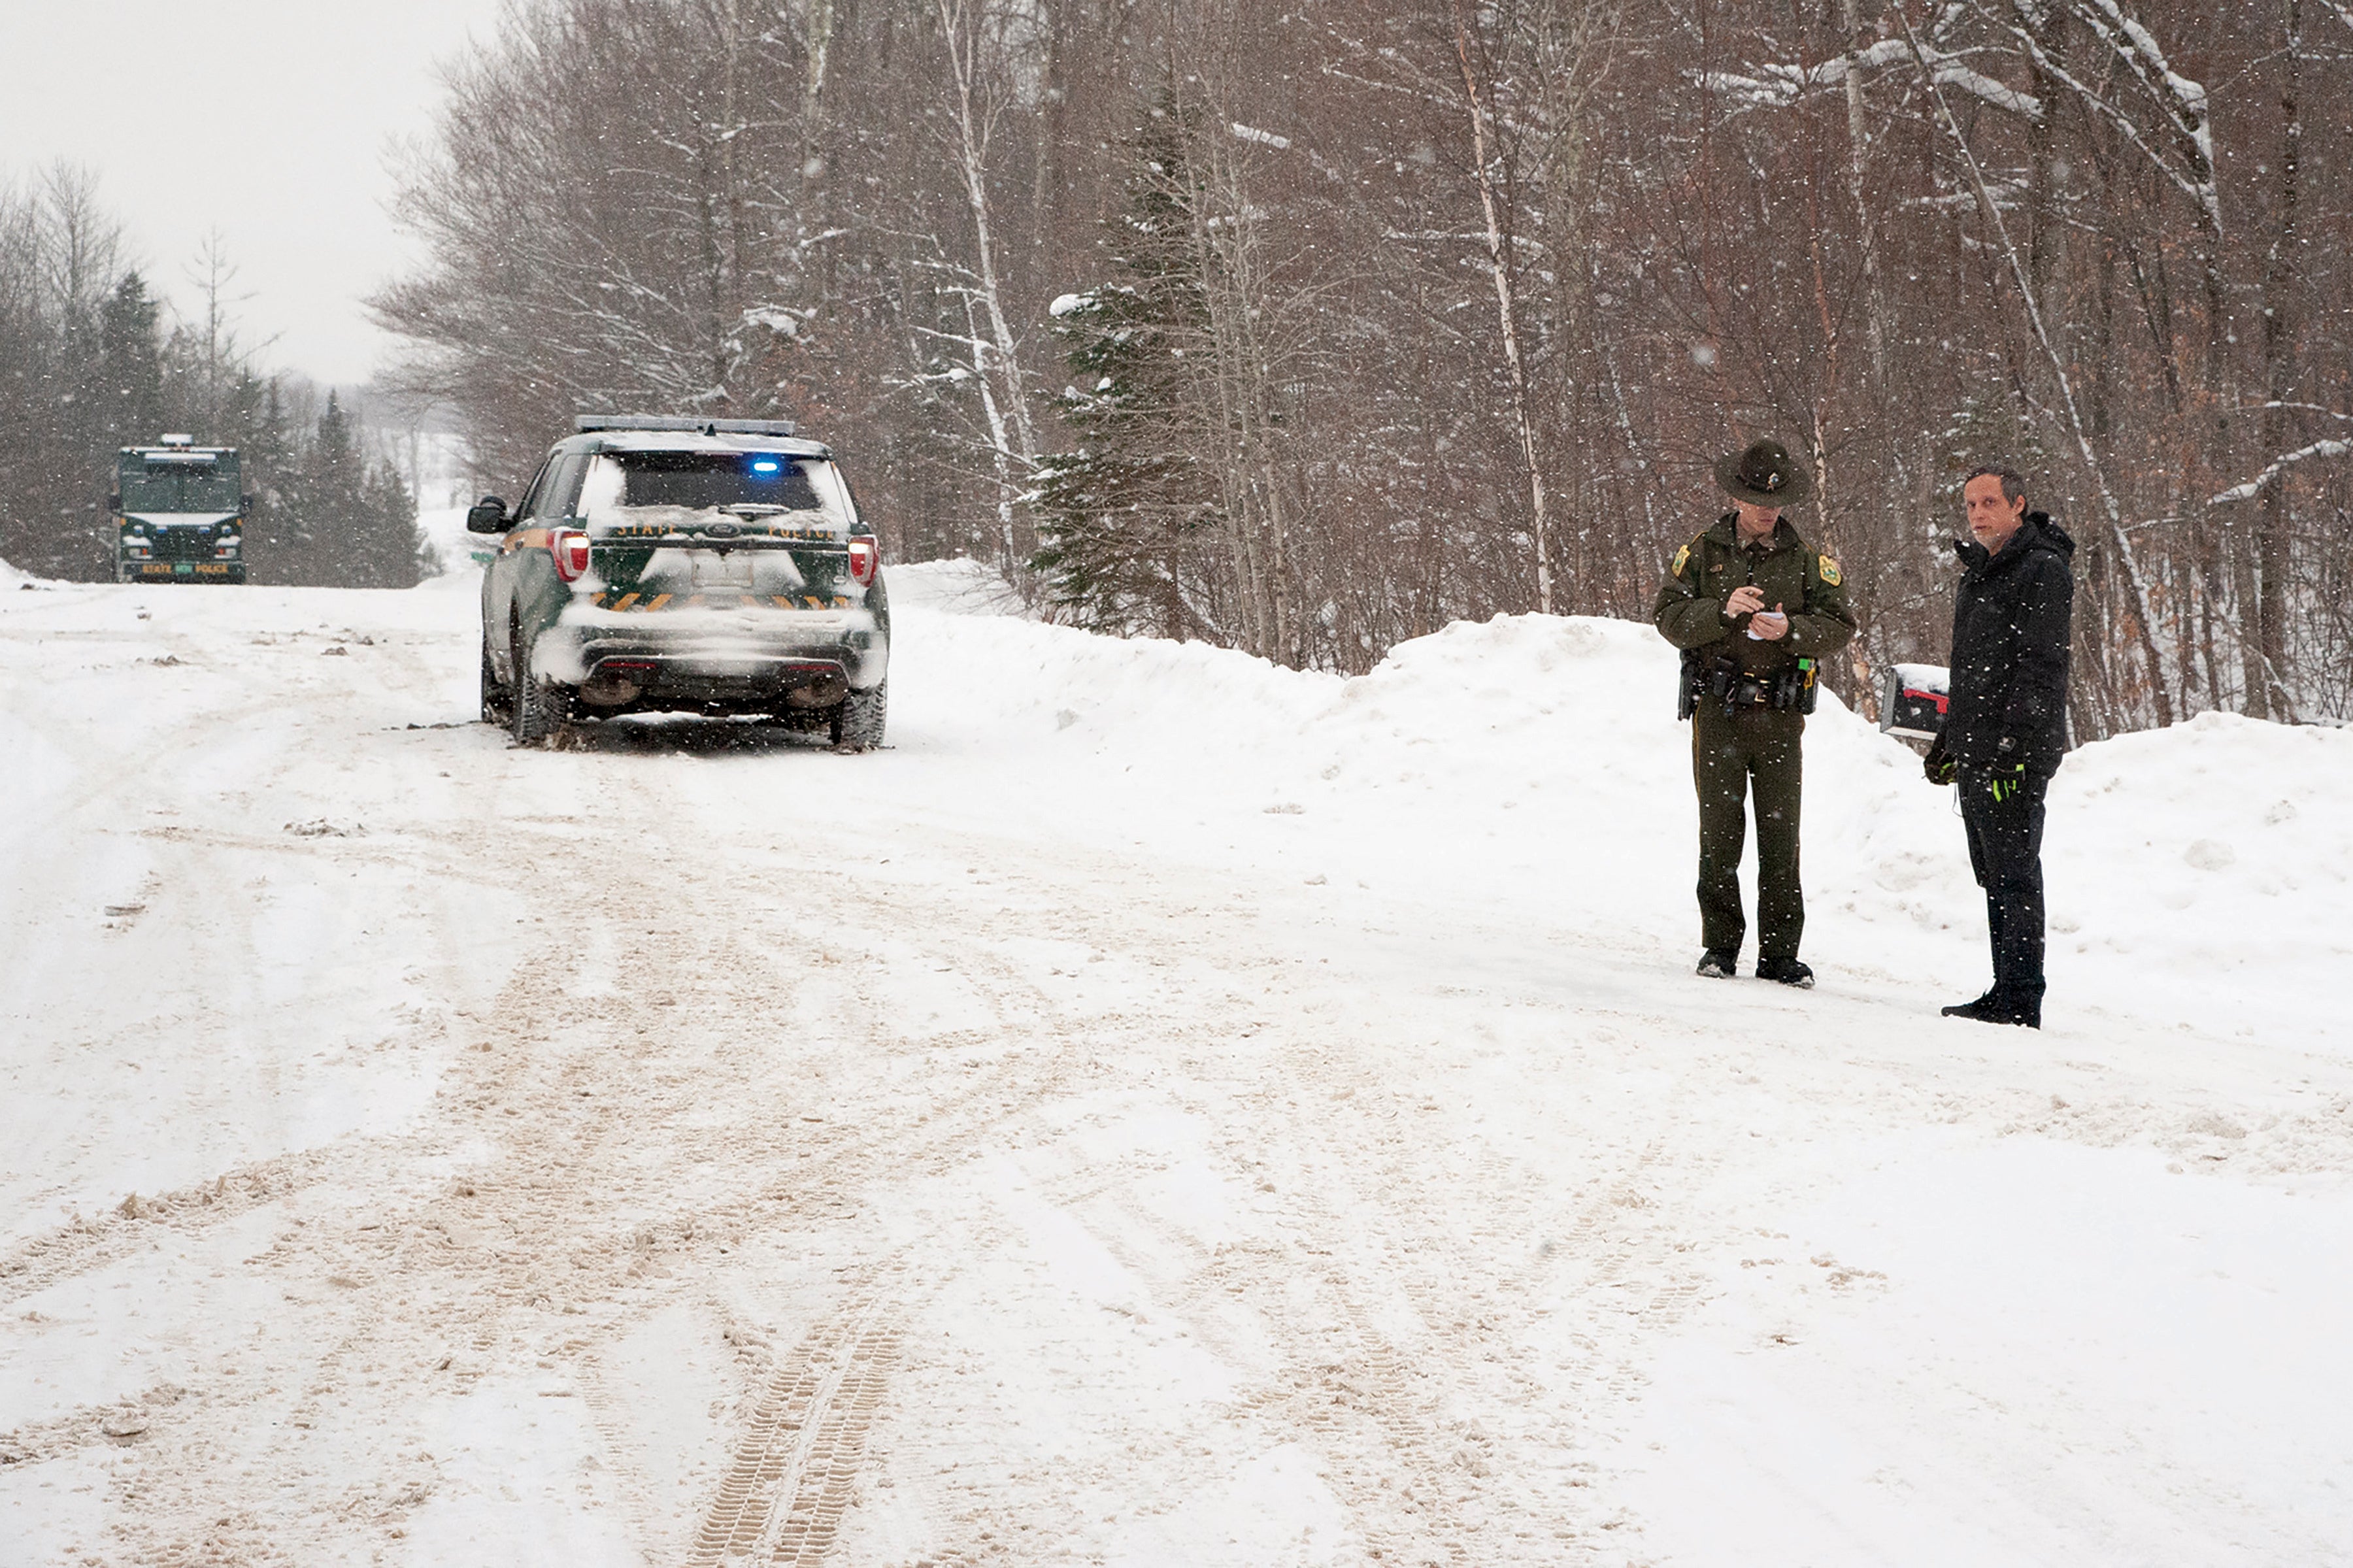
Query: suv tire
point(538, 707)
point(858, 723)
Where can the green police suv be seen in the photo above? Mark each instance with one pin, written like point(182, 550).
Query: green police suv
point(708, 567)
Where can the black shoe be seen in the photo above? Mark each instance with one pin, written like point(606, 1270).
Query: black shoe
point(1994, 1008)
point(1719, 964)
point(1787, 971)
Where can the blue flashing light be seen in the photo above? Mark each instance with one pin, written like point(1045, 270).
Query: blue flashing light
point(765, 465)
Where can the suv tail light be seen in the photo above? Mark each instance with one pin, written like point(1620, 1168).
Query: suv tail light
point(570, 548)
point(863, 555)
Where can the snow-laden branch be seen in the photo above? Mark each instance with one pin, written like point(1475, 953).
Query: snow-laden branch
point(1451, 236)
point(1778, 86)
point(2254, 487)
point(2320, 408)
point(2185, 101)
point(2008, 194)
point(2192, 110)
point(1263, 138)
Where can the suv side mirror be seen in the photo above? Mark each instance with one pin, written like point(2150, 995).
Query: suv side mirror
point(488, 515)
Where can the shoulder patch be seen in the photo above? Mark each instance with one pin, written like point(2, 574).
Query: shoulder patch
point(1683, 559)
point(1829, 570)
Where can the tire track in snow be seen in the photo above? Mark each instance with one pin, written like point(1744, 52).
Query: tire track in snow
point(117, 799)
point(1363, 1244)
point(784, 1496)
point(119, 1421)
point(566, 1211)
point(93, 1242)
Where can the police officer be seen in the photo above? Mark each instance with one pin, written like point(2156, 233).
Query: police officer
point(1754, 609)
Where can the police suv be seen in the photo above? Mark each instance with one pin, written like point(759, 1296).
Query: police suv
point(707, 566)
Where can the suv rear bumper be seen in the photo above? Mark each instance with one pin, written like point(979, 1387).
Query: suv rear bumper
point(627, 681)
point(736, 663)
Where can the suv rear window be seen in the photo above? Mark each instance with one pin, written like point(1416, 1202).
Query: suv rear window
point(699, 481)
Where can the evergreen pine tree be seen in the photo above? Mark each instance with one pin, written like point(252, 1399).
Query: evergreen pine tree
point(267, 453)
point(128, 386)
point(330, 523)
point(1116, 515)
point(392, 552)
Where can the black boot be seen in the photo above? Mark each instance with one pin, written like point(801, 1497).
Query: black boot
point(1787, 971)
point(1993, 1007)
point(1719, 964)
point(2023, 1008)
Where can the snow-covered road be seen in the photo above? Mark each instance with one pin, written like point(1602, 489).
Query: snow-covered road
point(1165, 1110)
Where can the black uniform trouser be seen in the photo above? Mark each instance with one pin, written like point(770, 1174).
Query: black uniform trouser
point(1749, 749)
point(2006, 853)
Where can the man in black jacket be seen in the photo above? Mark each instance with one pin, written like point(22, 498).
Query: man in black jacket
point(2006, 723)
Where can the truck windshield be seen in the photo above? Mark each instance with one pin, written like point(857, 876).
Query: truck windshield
point(702, 482)
point(179, 486)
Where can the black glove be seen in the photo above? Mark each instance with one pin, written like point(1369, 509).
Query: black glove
point(2004, 780)
point(1940, 767)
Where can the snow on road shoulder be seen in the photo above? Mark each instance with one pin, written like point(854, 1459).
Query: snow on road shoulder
point(219, 950)
point(2027, 1352)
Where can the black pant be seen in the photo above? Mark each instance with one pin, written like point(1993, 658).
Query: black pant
point(1748, 752)
point(2006, 853)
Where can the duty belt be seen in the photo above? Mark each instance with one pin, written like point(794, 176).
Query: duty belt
point(1730, 688)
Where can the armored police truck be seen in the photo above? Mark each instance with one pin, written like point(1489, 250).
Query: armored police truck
point(179, 514)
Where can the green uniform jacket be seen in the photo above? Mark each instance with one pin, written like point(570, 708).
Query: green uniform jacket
point(1690, 608)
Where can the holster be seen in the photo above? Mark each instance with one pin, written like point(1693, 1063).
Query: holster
point(1795, 688)
point(1709, 674)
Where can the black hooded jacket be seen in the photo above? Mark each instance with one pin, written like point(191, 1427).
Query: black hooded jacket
point(2011, 625)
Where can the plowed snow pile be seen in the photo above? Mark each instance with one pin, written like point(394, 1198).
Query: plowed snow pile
point(1164, 1109)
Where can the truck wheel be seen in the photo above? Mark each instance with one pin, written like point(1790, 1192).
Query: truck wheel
point(536, 707)
point(496, 709)
point(858, 723)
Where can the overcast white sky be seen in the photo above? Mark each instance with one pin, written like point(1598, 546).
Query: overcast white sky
point(267, 118)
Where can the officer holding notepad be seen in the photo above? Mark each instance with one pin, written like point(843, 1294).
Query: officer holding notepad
point(1754, 608)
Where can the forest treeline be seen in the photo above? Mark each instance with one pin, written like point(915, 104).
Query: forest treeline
point(91, 361)
point(1307, 329)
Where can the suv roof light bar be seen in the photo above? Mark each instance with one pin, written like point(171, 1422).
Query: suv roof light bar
point(585, 423)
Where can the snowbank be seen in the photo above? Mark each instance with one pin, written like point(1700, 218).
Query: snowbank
point(2197, 872)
